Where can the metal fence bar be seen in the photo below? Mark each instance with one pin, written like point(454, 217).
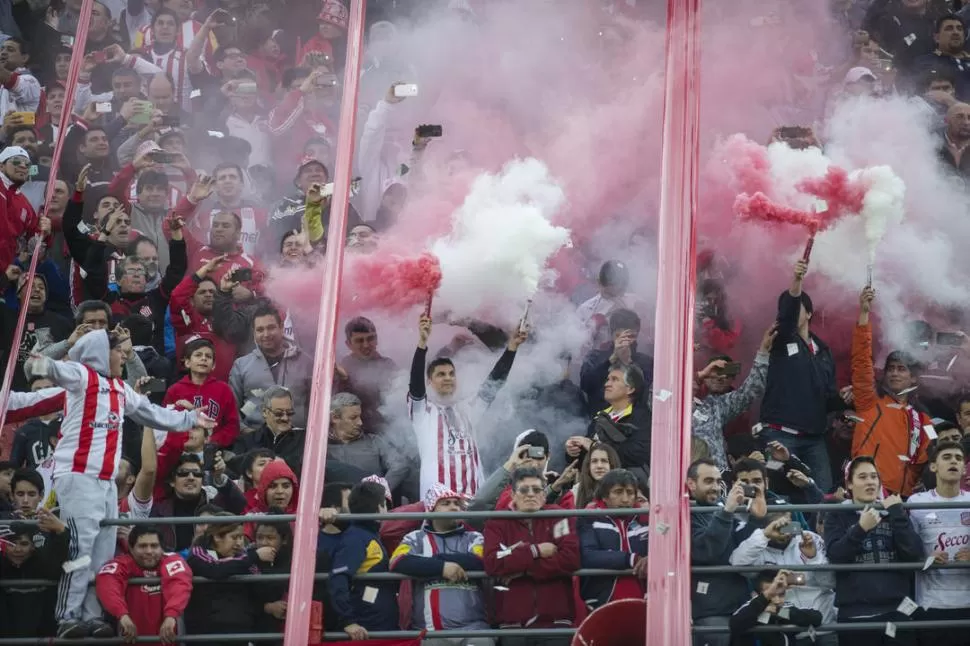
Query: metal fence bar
point(467, 634)
point(481, 515)
point(392, 576)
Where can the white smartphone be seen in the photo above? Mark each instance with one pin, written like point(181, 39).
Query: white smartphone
point(406, 90)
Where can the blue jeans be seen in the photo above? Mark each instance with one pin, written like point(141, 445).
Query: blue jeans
point(811, 450)
point(713, 639)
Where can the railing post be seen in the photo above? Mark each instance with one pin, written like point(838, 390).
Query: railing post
point(318, 424)
point(668, 573)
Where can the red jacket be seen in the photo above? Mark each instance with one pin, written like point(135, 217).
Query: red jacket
point(147, 605)
point(18, 221)
point(187, 322)
point(291, 122)
point(254, 219)
point(257, 504)
point(214, 398)
point(538, 588)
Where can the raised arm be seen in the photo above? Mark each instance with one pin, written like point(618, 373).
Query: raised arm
point(416, 387)
point(140, 409)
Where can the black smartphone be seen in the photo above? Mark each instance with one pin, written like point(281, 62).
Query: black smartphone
point(537, 452)
point(155, 385)
point(750, 491)
point(242, 274)
point(428, 131)
point(209, 457)
point(170, 121)
point(796, 578)
point(162, 157)
point(731, 369)
point(949, 338)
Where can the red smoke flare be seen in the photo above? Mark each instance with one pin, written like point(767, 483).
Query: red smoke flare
point(843, 195)
point(392, 283)
point(760, 207)
point(749, 164)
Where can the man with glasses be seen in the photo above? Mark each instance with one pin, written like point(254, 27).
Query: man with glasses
point(20, 222)
point(532, 561)
point(277, 433)
point(186, 493)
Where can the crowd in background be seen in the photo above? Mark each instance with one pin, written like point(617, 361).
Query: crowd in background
point(166, 380)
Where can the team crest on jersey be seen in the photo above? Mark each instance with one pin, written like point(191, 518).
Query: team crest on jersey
point(965, 517)
point(109, 568)
point(146, 311)
point(175, 567)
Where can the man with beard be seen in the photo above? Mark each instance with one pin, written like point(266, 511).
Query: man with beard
point(224, 192)
point(25, 137)
point(19, 90)
point(892, 428)
point(714, 537)
point(19, 222)
point(143, 610)
point(93, 148)
point(444, 426)
point(950, 57)
point(191, 313)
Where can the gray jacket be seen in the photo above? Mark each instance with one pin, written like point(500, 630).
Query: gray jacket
point(251, 376)
point(714, 412)
point(373, 454)
point(151, 227)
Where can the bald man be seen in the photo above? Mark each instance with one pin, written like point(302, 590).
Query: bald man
point(957, 139)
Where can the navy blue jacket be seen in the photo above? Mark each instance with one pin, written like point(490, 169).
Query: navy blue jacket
point(712, 539)
point(608, 544)
point(871, 592)
point(800, 384)
point(371, 604)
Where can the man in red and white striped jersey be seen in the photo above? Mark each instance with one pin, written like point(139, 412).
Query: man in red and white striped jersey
point(86, 462)
point(443, 424)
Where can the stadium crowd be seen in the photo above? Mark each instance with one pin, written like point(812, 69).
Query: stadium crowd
point(157, 378)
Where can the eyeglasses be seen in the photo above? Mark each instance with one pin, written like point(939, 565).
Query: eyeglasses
point(282, 414)
point(526, 490)
point(188, 473)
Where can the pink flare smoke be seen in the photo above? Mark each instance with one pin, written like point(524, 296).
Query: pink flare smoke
point(748, 163)
point(760, 207)
point(843, 195)
point(392, 283)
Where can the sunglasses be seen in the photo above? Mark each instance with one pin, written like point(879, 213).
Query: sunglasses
point(188, 473)
point(525, 491)
point(282, 414)
point(19, 162)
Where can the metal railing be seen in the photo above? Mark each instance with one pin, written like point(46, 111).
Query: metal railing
point(418, 517)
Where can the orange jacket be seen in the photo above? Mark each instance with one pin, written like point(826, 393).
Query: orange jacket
point(886, 431)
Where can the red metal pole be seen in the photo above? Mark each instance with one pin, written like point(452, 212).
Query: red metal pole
point(668, 572)
point(77, 55)
point(318, 423)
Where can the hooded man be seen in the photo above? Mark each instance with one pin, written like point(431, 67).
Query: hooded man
point(86, 462)
point(892, 430)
